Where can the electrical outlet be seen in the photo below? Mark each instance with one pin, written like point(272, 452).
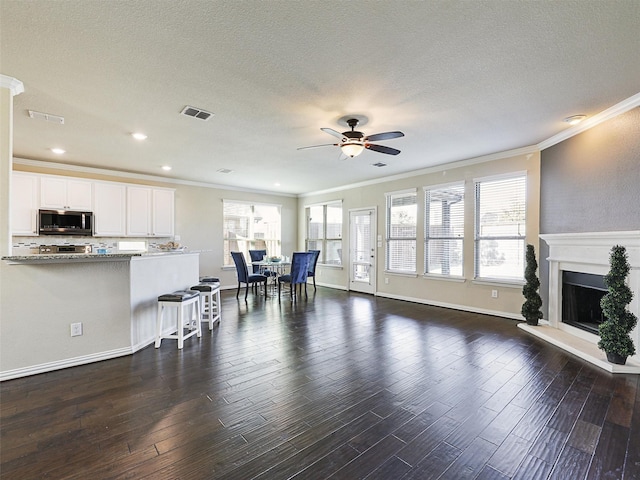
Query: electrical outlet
point(386, 280)
point(176, 238)
point(494, 293)
point(76, 329)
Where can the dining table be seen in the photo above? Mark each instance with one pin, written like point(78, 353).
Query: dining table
point(279, 267)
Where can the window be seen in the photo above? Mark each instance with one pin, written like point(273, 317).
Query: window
point(401, 232)
point(324, 232)
point(444, 229)
point(500, 228)
point(250, 226)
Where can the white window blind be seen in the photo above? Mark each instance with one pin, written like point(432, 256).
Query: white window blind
point(401, 232)
point(444, 227)
point(500, 228)
point(250, 226)
point(324, 232)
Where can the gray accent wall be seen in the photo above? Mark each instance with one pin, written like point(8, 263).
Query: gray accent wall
point(591, 183)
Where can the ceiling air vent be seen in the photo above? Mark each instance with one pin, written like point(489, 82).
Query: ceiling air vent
point(196, 113)
point(47, 117)
point(379, 164)
point(224, 170)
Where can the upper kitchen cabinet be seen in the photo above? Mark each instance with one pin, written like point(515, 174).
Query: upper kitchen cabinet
point(150, 211)
point(163, 212)
point(65, 193)
point(24, 204)
point(109, 209)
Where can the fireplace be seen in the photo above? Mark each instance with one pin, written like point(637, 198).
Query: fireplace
point(577, 264)
point(581, 295)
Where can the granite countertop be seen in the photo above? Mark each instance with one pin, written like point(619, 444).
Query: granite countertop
point(86, 256)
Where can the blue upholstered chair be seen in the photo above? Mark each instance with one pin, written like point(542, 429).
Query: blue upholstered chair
point(298, 274)
point(243, 274)
point(257, 256)
point(312, 266)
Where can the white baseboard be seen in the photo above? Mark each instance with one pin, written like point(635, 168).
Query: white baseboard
point(328, 285)
point(465, 308)
point(65, 363)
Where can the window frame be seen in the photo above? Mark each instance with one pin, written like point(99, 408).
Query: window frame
point(251, 239)
point(427, 228)
point(521, 237)
point(389, 239)
point(325, 240)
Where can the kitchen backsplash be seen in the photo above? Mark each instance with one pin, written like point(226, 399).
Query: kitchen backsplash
point(30, 245)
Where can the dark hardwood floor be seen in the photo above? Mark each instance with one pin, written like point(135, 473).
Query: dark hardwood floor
point(339, 386)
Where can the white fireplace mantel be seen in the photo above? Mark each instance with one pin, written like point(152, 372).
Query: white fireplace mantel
point(588, 253)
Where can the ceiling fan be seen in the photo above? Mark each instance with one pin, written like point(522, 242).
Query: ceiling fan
point(352, 143)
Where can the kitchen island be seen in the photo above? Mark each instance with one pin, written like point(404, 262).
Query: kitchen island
point(113, 296)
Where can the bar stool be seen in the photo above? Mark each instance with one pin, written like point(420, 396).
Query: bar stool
point(209, 280)
point(209, 306)
point(179, 300)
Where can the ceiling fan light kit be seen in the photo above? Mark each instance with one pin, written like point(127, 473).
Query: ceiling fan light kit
point(352, 142)
point(352, 149)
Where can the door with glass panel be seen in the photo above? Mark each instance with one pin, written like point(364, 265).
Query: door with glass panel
point(362, 251)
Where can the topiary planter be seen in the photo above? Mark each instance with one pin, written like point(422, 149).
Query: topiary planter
point(614, 331)
point(531, 307)
point(615, 358)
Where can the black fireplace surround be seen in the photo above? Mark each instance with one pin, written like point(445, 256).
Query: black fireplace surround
point(581, 295)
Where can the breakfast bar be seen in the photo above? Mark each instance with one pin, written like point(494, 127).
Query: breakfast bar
point(112, 296)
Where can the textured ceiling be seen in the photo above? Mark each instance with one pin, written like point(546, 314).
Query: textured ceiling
point(461, 79)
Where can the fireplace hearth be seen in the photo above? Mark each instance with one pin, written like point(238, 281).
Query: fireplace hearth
point(577, 265)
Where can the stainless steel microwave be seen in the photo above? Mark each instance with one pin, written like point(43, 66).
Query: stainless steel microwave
point(65, 222)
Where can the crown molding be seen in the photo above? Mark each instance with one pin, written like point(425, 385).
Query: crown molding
point(609, 113)
point(139, 176)
point(15, 86)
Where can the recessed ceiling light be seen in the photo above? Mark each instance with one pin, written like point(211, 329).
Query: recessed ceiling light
point(575, 119)
point(276, 184)
point(58, 151)
point(166, 167)
point(139, 136)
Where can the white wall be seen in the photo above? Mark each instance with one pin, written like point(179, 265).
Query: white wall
point(199, 223)
point(467, 295)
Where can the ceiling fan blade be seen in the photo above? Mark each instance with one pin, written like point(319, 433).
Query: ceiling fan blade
point(316, 146)
point(383, 136)
point(335, 133)
point(382, 149)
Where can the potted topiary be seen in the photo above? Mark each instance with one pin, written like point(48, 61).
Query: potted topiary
point(531, 307)
point(614, 331)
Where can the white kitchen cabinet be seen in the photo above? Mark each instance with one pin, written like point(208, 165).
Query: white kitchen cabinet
point(65, 193)
point(163, 212)
point(24, 204)
point(139, 211)
point(109, 209)
point(150, 212)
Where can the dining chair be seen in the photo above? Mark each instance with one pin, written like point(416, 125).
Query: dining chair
point(258, 256)
point(312, 266)
point(243, 274)
point(297, 275)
